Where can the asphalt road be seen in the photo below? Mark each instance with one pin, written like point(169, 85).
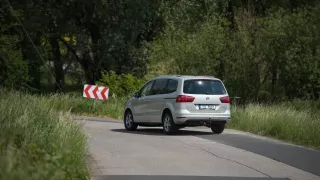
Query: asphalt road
point(193, 154)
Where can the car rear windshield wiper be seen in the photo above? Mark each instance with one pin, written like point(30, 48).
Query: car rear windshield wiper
point(209, 93)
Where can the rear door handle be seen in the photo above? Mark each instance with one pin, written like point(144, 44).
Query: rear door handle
point(146, 100)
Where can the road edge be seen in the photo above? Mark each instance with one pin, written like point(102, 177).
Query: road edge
point(90, 118)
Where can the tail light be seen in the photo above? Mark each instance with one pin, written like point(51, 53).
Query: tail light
point(183, 99)
point(225, 99)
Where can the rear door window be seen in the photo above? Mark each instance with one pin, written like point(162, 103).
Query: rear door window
point(172, 86)
point(159, 87)
point(199, 86)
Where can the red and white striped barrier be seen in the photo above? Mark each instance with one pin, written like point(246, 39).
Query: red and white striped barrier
point(95, 92)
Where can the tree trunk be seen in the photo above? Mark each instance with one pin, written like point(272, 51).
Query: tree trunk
point(221, 69)
point(58, 64)
point(258, 81)
point(3, 71)
point(230, 14)
point(274, 80)
point(34, 61)
point(88, 72)
point(88, 68)
point(85, 62)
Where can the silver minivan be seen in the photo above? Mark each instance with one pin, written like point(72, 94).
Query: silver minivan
point(176, 101)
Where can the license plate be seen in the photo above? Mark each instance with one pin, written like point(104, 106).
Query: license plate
point(211, 107)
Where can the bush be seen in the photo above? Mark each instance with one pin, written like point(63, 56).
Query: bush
point(37, 142)
point(13, 69)
point(122, 85)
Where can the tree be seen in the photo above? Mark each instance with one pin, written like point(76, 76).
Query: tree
point(260, 56)
point(13, 69)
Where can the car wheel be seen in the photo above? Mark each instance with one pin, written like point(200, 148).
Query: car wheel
point(169, 127)
point(217, 129)
point(128, 121)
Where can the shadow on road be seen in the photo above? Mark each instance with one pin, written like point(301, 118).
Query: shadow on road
point(159, 132)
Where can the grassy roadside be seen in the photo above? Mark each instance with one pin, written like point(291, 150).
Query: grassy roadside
point(294, 122)
point(76, 104)
point(37, 142)
point(297, 122)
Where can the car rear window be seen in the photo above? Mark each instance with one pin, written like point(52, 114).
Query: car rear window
point(199, 86)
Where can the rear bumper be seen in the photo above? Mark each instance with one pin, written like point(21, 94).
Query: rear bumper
point(207, 123)
point(202, 119)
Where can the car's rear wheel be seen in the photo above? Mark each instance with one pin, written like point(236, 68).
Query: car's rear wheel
point(217, 128)
point(128, 121)
point(169, 127)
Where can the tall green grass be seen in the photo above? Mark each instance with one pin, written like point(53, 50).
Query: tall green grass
point(38, 142)
point(296, 122)
point(76, 104)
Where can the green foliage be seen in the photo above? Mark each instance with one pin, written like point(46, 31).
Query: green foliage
point(188, 15)
point(191, 51)
point(263, 50)
point(37, 142)
point(126, 33)
point(105, 35)
point(13, 69)
point(260, 58)
point(122, 85)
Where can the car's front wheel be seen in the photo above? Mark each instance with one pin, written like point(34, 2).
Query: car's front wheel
point(169, 127)
point(128, 121)
point(217, 128)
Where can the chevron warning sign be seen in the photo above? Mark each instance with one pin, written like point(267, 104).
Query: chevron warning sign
point(95, 92)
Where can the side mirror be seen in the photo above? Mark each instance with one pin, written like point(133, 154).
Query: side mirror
point(136, 94)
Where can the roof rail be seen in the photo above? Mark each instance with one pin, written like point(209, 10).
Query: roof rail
point(169, 75)
point(209, 76)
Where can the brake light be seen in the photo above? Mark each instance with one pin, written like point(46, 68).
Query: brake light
point(183, 98)
point(225, 99)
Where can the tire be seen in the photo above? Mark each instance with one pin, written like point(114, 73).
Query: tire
point(217, 129)
point(169, 127)
point(128, 121)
